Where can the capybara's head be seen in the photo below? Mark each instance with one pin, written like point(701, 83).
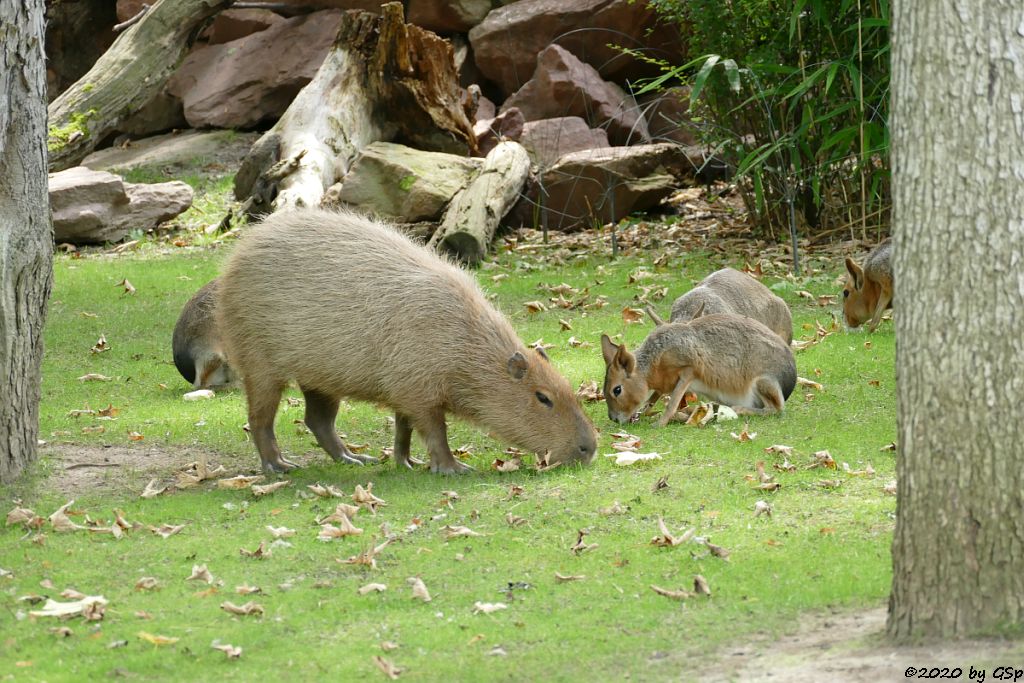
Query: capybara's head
point(624, 388)
point(538, 411)
point(857, 304)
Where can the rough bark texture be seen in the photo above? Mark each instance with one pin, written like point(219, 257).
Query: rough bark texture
point(958, 208)
point(125, 78)
point(474, 213)
point(26, 242)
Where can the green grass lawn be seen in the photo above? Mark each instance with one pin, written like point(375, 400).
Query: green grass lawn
point(822, 547)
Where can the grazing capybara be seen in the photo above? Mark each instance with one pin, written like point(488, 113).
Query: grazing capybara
point(868, 290)
point(196, 344)
point(730, 291)
point(349, 307)
point(731, 359)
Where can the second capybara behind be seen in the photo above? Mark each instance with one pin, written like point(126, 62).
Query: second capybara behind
point(348, 307)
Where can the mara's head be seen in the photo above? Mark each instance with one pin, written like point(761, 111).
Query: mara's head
point(535, 408)
point(625, 389)
point(858, 305)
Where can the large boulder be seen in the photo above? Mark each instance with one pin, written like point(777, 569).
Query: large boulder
point(508, 125)
point(248, 81)
point(175, 152)
point(93, 207)
point(506, 42)
point(599, 186)
point(447, 16)
point(547, 140)
point(232, 24)
point(405, 184)
point(668, 116)
point(562, 85)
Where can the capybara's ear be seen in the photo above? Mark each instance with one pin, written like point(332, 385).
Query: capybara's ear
point(608, 349)
point(517, 365)
point(699, 312)
point(625, 360)
point(543, 354)
point(856, 272)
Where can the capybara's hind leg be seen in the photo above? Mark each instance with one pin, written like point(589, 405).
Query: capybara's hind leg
point(263, 399)
point(403, 441)
point(769, 392)
point(321, 411)
point(434, 431)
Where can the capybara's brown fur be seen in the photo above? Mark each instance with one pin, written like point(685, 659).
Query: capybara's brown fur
point(731, 359)
point(730, 291)
point(349, 307)
point(196, 343)
point(868, 290)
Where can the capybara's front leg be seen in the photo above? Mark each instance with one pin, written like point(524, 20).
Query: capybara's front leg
point(403, 441)
point(263, 398)
point(321, 411)
point(435, 434)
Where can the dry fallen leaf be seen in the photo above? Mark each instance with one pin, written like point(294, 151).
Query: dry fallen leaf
point(89, 606)
point(326, 491)
point(451, 532)
point(778, 448)
point(616, 508)
point(625, 458)
point(158, 641)
point(515, 491)
point(248, 609)
point(128, 288)
point(20, 515)
point(387, 667)
point(135, 436)
point(109, 411)
point(717, 550)
point(563, 578)
point(246, 589)
point(367, 557)
point(829, 483)
point(62, 631)
point(667, 540)
point(60, 521)
point(890, 488)
point(675, 595)
point(344, 528)
point(240, 482)
point(535, 306)
point(200, 573)
point(269, 488)
point(579, 547)
point(510, 465)
point(762, 508)
point(762, 476)
point(744, 435)
point(280, 531)
point(565, 325)
point(94, 377)
point(363, 497)
point(146, 583)
point(888, 447)
point(809, 383)
point(700, 585)
point(259, 554)
point(589, 392)
point(372, 588)
point(628, 442)
point(823, 459)
point(419, 589)
point(198, 395)
point(166, 530)
point(388, 645)
point(632, 316)
point(100, 346)
point(660, 485)
point(514, 520)
point(770, 486)
point(231, 651)
point(488, 607)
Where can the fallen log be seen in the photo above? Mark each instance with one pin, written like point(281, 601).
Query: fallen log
point(124, 79)
point(474, 213)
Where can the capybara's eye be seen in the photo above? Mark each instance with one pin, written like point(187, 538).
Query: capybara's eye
point(617, 391)
point(545, 400)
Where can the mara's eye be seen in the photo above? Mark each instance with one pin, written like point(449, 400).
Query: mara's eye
point(846, 293)
point(617, 391)
point(545, 400)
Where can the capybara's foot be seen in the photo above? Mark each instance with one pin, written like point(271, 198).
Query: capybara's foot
point(366, 459)
point(278, 465)
point(410, 462)
point(453, 467)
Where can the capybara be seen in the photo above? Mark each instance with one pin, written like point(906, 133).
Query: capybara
point(731, 291)
point(868, 290)
point(349, 307)
point(196, 344)
point(731, 359)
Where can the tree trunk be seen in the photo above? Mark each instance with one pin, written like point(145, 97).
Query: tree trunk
point(474, 213)
point(958, 208)
point(125, 78)
point(26, 239)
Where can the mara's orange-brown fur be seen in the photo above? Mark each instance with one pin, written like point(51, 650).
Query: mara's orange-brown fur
point(348, 307)
point(731, 291)
point(728, 358)
point(867, 293)
point(196, 343)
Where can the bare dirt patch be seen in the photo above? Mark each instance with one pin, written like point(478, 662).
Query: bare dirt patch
point(850, 646)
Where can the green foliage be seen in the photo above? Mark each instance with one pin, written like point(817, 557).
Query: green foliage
point(823, 548)
point(796, 100)
point(59, 136)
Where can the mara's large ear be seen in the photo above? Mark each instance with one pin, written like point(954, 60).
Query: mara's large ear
point(658, 320)
point(699, 312)
point(856, 272)
point(625, 360)
point(517, 365)
point(608, 349)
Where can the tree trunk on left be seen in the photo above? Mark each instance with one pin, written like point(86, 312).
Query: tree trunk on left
point(26, 237)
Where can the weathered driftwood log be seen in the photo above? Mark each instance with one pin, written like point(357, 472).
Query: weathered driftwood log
point(382, 80)
point(474, 213)
point(125, 78)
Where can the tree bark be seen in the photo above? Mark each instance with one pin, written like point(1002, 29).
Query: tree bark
point(125, 78)
point(26, 238)
point(474, 213)
point(958, 209)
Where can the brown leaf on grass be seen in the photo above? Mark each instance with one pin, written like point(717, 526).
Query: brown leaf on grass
point(802, 381)
point(280, 531)
point(363, 497)
point(589, 392)
point(627, 442)
point(72, 594)
point(675, 595)
point(770, 486)
point(762, 508)
point(564, 578)
point(543, 465)
point(328, 491)
point(372, 588)
point(101, 345)
point(200, 573)
point(540, 344)
point(579, 547)
point(259, 554)
point(128, 287)
point(166, 530)
point(91, 607)
point(451, 532)
point(762, 476)
point(240, 482)
point(341, 511)
point(488, 607)
point(510, 465)
point(387, 667)
point(388, 645)
point(155, 640)
point(514, 491)
point(61, 631)
point(146, 583)
point(514, 521)
point(344, 528)
point(660, 485)
point(80, 413)
point(822, 459)
point(246, 589)
point(745, 435)
point(700, 585)
point(535, 307)
point(578, 343)
point(829, 483)
point(135, 436)
point(868, 471)
point(778, 448)
point(152, 489)
point(368, 557)
point(25, 516)
point(804, 294)
point(60, 521)
point(232, 651)
point(94, 377)
point(875, 382)
point(616, 508)
point(258, 490)
point(626, 458)
point(565, 325)
point(419, 589)
point(717, 550)
point(890, 488)
point(94, 429)
point(667, 540)
point(632, 316)
point(248, 609)
point(110, 411)
point(785, 466)
point(888, 447)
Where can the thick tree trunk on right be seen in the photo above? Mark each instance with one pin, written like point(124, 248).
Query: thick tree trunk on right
point(125, 78)
point(26, 240)
point(958, 208)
